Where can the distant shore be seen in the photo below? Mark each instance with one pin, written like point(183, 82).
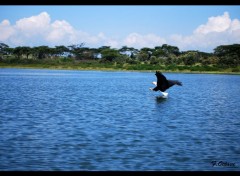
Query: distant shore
point(224, 60)
point(62, 67)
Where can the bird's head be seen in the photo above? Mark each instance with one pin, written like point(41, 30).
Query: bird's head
point(158, 73)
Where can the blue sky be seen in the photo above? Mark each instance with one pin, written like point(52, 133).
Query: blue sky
point(187, 27)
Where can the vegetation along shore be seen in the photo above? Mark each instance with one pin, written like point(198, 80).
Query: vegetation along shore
point(167, 58)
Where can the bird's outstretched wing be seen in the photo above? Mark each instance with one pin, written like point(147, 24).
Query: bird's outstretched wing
point(162, 82)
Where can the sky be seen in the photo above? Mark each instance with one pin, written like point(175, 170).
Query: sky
point(191, 27)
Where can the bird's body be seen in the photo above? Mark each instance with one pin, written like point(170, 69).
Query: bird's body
point(163, 84)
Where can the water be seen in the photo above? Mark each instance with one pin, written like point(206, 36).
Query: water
point(96, 120)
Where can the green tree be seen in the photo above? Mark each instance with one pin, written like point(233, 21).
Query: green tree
point(129, 51)
point(109, 54)
point(4, 50)
point(168, 49)
point(204, 61)
point(61, 50)
point(189, 58)
point(18, 51)
point(158, 52)
point(41, 52)
point(169, 61)
point(122, 59)
point(229, 55)
point(144, 54)
point(154, 60)
point(77, 50)
point(26, 50)
point(88, 53)
point(95, 53)
point(22, 50)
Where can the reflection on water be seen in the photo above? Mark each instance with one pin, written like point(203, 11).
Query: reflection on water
point(94, 120)
point(160, 99)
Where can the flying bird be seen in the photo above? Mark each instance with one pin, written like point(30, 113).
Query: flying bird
point(163, 84)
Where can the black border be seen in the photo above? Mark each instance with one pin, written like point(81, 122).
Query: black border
point(130, 173)
point(119, 2)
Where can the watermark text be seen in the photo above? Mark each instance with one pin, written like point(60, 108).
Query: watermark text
point(223, 164)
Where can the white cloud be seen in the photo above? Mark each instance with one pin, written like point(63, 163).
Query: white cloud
point(215, 24)
point(235, 25)
point(139, 41)
point(6, 30)
point(34, 25)
point(113, 43)
point(59, 31)
point(40, 30)
point(219, 30)
point(101, 36)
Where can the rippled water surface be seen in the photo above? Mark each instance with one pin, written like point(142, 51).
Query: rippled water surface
point(95, 120)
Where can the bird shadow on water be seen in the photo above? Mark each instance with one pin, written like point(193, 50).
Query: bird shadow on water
point(160, 99)
point(160, 107)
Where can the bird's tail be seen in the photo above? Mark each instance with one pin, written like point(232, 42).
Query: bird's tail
point(178, 83)
point(174, 82)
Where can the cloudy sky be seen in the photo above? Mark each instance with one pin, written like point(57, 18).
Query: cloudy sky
point(187, 27)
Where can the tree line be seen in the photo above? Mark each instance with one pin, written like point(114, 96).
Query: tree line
point(223, 55)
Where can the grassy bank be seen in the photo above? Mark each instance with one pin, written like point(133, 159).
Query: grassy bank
point(96, 65)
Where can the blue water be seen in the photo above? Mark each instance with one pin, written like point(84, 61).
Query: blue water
point(97, 120)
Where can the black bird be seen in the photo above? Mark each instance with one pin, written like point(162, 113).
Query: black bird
point(163, 84)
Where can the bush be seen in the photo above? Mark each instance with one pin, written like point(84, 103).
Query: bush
point(235, 70)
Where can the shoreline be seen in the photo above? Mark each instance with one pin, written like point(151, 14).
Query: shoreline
point(113, 69)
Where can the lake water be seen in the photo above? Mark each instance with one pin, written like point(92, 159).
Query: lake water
point(111, 121)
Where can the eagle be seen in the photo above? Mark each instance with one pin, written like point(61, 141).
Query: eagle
point(163, 84)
